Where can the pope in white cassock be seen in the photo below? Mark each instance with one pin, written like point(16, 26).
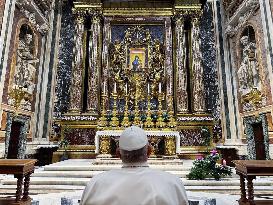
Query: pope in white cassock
point(135, 183)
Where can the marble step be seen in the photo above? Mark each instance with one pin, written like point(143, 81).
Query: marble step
point(87, 174)
point(109, 167)
point(82, 182)
point(150, 161)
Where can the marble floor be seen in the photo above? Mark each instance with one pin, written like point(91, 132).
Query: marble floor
point(63, 182)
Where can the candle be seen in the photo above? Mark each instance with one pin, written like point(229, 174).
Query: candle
point(148, 88)
point(159, 87)
point(115, 87)
point(126, 88)
point(104, 87)
point(224, 162)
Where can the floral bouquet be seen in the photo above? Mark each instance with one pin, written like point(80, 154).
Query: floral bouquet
point(208, 168)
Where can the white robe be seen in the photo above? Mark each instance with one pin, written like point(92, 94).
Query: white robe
point(134, 186)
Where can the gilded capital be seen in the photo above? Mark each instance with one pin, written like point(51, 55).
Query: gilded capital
point(79, 16)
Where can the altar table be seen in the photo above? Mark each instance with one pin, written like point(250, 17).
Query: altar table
point(249, 169)
point(20, 168)
point(150, 133)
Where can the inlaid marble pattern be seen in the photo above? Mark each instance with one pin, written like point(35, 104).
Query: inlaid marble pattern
point(191, 137)
point(80, 136)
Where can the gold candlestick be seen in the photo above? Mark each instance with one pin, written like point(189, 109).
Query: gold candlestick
point(126, 122)
point(103, 120)
point(149, 123)
point(160, 122)
point(114, 123)
point(172, 121)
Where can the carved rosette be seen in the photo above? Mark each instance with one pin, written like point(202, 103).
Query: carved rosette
point(182, 95)
point(78, 65)
point(94, 64)
point(197, 68)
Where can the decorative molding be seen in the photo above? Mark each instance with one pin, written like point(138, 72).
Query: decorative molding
point(241, 16)
point(194, 118)
point(78, 118)
point(35, 16)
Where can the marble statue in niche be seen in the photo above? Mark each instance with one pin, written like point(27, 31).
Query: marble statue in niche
point(248, 72)
point(250, 83)
point(26, 60)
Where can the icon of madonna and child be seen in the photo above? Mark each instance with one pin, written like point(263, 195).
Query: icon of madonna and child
point(137, 59)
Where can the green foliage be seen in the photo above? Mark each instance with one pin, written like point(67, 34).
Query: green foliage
point(206, 135)
point(64, 143)
point(208, 168)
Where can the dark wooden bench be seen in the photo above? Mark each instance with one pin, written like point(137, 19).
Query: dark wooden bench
point(21, 169)
point(249, 169)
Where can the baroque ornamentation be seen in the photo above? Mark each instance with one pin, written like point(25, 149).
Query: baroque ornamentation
point(31, 14)
point(240, 18)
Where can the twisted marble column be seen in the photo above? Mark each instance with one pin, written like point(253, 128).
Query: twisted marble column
point(182, 94)
point(94, 65)
point(197, 68)
point(78, 65)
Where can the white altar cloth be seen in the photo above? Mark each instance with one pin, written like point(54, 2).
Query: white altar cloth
point(117, 133)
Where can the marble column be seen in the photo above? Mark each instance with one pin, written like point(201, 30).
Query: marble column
point(169, 63)
point(105, 58)
point(181, 77)
point(78, 65)
point(197, 68)
point(94, 65)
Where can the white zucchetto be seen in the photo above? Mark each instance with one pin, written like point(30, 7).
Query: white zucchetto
point(133, 138)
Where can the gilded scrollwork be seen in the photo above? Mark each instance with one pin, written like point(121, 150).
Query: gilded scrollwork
point(170, 145)
point(105, 145)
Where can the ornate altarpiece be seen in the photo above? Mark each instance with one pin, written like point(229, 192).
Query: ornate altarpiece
point(137, 65)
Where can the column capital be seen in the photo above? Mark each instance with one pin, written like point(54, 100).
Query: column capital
point(79, 15)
